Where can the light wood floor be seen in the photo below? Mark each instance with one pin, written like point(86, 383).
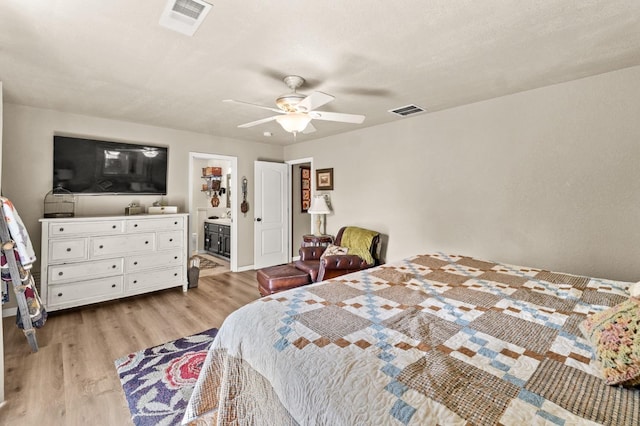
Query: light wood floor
point(72, 379)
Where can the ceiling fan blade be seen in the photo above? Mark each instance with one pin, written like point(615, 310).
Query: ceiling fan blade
point(253, 105)
point(337, 116)
point(309, 129)
point(255, 123)
point(313, 101)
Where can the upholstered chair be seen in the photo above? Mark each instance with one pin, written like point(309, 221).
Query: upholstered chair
point(319, 267)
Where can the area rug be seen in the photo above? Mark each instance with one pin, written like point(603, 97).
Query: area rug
point(158, 381)
point(206, 263)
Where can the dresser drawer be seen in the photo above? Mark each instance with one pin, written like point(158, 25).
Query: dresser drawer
point(67, 250)
point(120, 244)
point(159, 278)
point(85, 292)
point(153, 261)
point(169, 240)
point(166, 223)
point(85, 270)
point(61, 229)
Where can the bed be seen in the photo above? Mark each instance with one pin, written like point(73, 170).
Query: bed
point(432, 339)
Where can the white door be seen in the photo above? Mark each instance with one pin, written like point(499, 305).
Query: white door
point(271, 201)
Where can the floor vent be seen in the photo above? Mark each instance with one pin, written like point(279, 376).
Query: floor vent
point(407, 110)
point(184, 16)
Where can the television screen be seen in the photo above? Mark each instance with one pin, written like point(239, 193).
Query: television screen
point(86, 166)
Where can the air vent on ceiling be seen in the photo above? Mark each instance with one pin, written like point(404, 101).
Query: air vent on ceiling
point(407, 110)
point(184, 16)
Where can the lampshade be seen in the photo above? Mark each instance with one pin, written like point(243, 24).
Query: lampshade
point(293, 122)
point(319, 206)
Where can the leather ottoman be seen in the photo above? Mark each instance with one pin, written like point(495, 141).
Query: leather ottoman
point(279, 278)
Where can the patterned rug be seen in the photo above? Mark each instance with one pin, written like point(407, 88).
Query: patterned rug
point(158, 381)
point(207, 263)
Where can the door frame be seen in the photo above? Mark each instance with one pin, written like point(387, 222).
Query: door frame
point(233, 261)
point(291, 163)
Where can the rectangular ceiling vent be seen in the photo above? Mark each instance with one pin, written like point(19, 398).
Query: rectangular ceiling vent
point(407, 110)
point(184, 16)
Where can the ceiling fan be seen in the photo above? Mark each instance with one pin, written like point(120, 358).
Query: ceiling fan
point(295, 110)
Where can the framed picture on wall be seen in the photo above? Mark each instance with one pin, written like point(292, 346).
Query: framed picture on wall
point(305, 188)
point(324, 179)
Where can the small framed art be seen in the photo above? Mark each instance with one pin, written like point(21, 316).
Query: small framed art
point(305, 188)
point(324, 179)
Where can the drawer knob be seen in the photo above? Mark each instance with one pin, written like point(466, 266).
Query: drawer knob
point(175, 223)
point(101, 246)
point(175, 274)
point(170, 239)
point(61, 229)
point(113, 266)
point(59, 294)
point(146, 242)
point(135, 281)
point(135, 263)
point(113, 227)
point(175, 257)
point(113, 286)
point(68, 249)
point(60, 273)
point(135, 225)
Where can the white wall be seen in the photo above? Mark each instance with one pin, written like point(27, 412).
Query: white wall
point(28, 163)
point(547, 178)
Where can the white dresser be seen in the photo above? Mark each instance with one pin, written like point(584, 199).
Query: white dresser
point(93, 259)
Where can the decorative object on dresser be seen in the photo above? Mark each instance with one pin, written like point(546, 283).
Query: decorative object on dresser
point(320, 208)
point(59, 203)
point(94, 259)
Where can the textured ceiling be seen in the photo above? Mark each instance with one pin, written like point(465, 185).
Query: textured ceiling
point(112, 59)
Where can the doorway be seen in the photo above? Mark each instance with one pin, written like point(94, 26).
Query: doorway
point(300, 221)
point(207, 200)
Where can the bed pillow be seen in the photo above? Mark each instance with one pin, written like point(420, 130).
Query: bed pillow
point(634, 290)
point(615, 337)
point(333, 250)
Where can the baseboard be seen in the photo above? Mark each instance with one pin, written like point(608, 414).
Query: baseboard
point(245, 268)
point(9, 312)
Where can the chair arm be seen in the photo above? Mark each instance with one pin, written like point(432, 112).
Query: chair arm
point(344, 261)
point(335, 266)
point(311, 253)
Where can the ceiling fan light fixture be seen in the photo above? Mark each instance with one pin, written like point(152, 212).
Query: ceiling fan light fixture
point(293, 122)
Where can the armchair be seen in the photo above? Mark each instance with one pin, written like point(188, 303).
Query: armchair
point(323, 268)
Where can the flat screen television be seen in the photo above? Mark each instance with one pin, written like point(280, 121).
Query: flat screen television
point(95, 167)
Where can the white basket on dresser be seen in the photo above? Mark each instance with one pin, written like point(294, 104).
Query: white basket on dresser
point(93, 259)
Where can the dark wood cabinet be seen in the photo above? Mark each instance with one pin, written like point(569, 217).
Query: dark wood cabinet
point(217, 239)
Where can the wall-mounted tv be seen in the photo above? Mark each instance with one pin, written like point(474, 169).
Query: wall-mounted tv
point(95, 167)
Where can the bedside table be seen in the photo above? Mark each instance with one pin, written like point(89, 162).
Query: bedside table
point(311, 240)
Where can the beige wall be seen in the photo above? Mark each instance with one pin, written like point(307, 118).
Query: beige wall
point(28, 163)
point(546, 178)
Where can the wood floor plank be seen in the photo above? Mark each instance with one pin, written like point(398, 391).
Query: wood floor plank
point(72, 379)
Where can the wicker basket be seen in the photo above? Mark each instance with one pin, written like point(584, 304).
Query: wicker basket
point(59, 202)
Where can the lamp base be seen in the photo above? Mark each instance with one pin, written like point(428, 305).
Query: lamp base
point(318, 225)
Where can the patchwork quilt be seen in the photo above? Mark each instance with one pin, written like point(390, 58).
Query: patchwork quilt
point(433, 339)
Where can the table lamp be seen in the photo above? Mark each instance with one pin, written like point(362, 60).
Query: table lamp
point(319, 207)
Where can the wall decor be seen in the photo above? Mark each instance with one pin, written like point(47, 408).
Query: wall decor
point(305, 188)
point(324, 179)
